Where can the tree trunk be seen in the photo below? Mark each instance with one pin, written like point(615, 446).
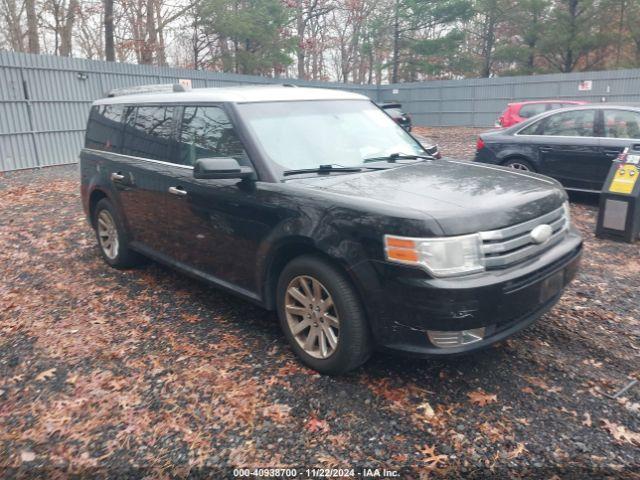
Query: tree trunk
point(151, 35)
point(300, 30)
point(396, 43)
point(67, 29)
point(109, 44)
point(161, 57)
point(488, 47)
point(569, 60)
point(32, 27)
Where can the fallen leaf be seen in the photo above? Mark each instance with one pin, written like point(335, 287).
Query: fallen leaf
point(314, 424)
point(587, 419)
point(516, 453)
point(277, 412)
point(538, 382)
point(621, 433)
point(482, 398)
point(27, 456)
point(427, 410)
point(431, 458)
point(46, 375)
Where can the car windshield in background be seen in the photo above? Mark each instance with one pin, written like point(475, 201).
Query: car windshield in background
point(308, 134)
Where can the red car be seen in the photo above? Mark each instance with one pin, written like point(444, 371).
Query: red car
point(520, 111)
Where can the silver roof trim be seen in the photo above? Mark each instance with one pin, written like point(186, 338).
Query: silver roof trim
point(248, 94)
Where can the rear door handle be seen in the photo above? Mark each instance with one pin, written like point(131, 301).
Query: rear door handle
point(117, 177)
point(177, 191)
point(545, 148)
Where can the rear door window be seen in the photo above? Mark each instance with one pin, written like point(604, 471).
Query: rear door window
point(578, 123)
point(207, 132)
point(621, 124)
point(105, 128)
point(148, 132)
point(528, 111)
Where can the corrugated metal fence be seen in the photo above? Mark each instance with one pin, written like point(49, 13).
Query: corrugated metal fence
point(44, 100)
point(478, 102)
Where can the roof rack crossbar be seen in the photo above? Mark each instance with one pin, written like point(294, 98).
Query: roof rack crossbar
point(154, 88)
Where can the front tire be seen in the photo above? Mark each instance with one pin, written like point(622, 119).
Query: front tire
point(112, 238)
point(321, 316)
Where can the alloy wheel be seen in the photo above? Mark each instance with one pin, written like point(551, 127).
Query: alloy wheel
point(519, 166)
point(108, 234)
point(312, 316)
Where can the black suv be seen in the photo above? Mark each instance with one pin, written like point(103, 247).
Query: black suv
point(316, 204)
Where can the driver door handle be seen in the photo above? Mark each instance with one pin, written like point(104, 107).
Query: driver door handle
point(545, 148)
point(177, 191)
point(116, 177)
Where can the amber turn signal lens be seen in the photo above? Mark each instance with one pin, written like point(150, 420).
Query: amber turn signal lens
point(402, 254)
point(400, 242)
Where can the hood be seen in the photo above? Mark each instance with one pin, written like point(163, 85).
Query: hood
point(463, 197)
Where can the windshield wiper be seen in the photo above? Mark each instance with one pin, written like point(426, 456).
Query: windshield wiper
point(398, 156)
point(334, 167)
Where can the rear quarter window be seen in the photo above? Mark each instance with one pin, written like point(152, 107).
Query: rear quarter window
point(105, 128)
point(148, 132)
point(528, 111)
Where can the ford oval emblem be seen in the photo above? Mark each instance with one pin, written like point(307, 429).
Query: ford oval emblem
point(541, 233)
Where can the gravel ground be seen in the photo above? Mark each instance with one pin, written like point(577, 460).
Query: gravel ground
point(453, 142)
point(148, 374)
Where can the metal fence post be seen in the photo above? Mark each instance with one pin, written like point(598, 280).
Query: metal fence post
point(32, 126)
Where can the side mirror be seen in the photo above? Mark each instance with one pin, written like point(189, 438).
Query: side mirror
point(220, 168)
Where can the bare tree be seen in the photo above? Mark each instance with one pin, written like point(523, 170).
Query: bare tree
point(32, 27)
point(306, 11)
point(67, 29)
point(12, 16)
point(109, 44)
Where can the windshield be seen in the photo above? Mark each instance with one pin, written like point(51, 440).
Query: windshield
point(308, 134)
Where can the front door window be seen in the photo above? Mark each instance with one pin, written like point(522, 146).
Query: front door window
point(207, 132)
point(576, 123)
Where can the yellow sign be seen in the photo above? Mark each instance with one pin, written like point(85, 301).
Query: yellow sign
point(625, 179)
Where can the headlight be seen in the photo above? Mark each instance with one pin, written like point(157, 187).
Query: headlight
point(442, 257)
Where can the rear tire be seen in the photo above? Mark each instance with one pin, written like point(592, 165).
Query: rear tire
point(519, 164)
point(322, 316)
point(112, 238)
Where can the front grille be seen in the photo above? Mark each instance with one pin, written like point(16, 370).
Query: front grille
point(508, 246)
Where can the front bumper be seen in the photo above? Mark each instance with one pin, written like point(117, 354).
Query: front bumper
point(410, 304)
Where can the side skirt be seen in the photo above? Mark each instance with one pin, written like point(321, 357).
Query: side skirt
point(198, 274)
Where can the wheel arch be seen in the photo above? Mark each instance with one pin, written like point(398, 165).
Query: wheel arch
point(281, 256)
point(96, 195)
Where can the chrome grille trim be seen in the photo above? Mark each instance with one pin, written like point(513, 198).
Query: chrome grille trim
point(445, 339)
point(510, 245)
point(521, 228)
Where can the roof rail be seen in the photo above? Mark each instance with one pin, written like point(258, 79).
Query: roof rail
point(155, 88)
